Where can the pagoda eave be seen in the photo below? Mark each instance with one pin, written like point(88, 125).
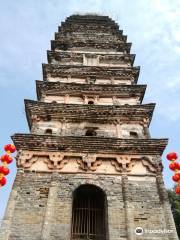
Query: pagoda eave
point(89, 18)
point(62, 35)
point(62, 57)
point(69, 28)
point(55, 70)
point(89, 144)
point(65, 45)
point(96, 23)
point(95, 113)
point(73, 36)
point(77, 89)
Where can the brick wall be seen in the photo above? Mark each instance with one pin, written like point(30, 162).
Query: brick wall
point(43, 206)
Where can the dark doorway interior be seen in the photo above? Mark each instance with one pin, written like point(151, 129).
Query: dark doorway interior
point(89, 214)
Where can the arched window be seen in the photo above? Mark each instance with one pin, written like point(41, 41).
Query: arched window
point(89, 220)
point(48, 118)
point(48, 131)
point(133, 134)
point(90, 102)
point(91, 132)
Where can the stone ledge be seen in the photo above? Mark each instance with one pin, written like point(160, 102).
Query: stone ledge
point(86, 144)
point(102, 90)
point(55, 70)
point(141, 114)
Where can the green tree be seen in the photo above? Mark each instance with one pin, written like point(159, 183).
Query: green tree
point(175, 207)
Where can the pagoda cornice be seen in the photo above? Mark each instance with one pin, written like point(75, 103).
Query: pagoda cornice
point(98, 24)
point(86, 144)
point(84, 112)
point(66, 44)
point(73, 36)
point(56, 70)
point(80, 29)
point(77, 89)
point(89, 18)
point(77, 57)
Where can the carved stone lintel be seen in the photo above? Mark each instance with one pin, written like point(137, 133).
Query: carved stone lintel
point(146, 162)
point(89, 162)
point(123, 164)
point(26, 159)
point(35, 118)
point(89, 159)
point(126, 163)
point(56, 161)
point(158, 163)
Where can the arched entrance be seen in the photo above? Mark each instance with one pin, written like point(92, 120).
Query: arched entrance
point(89, 219)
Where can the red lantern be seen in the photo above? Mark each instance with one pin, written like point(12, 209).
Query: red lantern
point(172, 156)
point(176, 177)
point(10, 148)
point(174, 166)
point(2, 181)
point(177, 190)
point(6, 158)
point(4, 170)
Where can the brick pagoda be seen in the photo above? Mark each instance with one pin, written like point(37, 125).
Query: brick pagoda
point(89, 168)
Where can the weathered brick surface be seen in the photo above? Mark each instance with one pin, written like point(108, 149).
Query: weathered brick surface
point(91, 60)
point(44, 205)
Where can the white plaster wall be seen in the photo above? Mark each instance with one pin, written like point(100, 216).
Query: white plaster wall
point(40, 127)
point(114, 64)
point(126, 128)
point(75, 129)
point(79, 129)
point(66, 79)
point(99, 101)
point(83, 80)
point(58, 99)
point(102, 130)
point(105, 101)
point(124, 81)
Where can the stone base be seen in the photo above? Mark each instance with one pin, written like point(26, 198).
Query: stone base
point(42, 206)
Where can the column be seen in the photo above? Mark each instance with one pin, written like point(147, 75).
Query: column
point(49, 212)
point(118, 129)
point(169, 220)
point(146, 132)
point(127, 208)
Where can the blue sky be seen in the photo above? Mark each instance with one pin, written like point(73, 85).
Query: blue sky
point(26, 27)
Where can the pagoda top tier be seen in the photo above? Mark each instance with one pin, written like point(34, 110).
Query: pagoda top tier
point(90, 31)
point(90, 18)
point(90, 81)
point(90, 22)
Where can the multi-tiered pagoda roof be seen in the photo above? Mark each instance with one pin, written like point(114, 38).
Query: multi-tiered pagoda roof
point(100, 51)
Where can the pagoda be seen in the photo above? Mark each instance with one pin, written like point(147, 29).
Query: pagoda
point(89, 168)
